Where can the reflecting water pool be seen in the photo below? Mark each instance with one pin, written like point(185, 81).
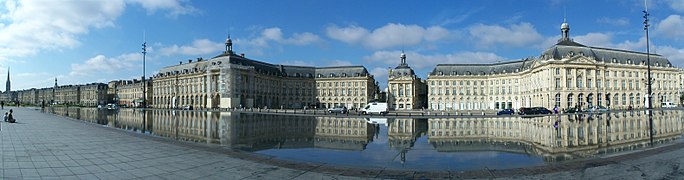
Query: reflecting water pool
point(404, 143)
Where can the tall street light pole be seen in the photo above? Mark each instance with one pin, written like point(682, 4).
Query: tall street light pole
point(144, 84)
point(648, 71)
point(648, 60)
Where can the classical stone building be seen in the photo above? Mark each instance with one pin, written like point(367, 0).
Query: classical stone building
point(233, 81)
point(567, 74)
point(93, 94)
point(405, 90)
point(129, 93)
point(68, 94)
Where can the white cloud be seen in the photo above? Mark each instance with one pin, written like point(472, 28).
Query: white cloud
point(595, 39)
point(33, 25)
point(422, 61)
point(677, 5)
point(269, 36)
point(174, 7)
point(101, 63)
point(516, 35)
point(198, 47)
point(351, 34)
point(671, 27)
point(675, 55)
point(276, 35)
point(390, 35)
point(340, 63)
point(613, 21)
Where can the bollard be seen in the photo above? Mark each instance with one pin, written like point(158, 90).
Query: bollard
point(422, 114)
point(483, 113)
point(396, 114)
point(409, 114)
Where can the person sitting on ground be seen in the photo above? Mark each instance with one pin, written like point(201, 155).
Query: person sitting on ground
point(5, 117)
point(10, 118)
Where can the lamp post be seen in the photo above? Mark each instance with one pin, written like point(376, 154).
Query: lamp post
point(648, 59)
point(648, 71)
point(144, 84)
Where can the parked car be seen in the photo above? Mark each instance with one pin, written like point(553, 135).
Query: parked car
point(338, 109)
point(541, 110)
point(572, 110)
point(526, 111)
point(598, 109)
point(505, 111)
point(668, 105)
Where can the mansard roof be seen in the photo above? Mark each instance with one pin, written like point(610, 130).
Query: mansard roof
point(341, 71)
point(482, 69)
point(570, 48)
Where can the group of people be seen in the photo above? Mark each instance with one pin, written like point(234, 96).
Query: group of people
point(9, 117)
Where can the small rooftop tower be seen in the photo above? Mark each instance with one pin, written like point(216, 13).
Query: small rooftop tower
point(565, 31)
point(229, 45)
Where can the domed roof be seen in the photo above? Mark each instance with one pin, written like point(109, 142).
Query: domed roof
point(565, 25)
point(229, 41)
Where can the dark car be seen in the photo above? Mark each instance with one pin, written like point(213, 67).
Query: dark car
point(505, 111)
point(338, 109)
point(542, 110)
point(526, 111)
point(572, 110)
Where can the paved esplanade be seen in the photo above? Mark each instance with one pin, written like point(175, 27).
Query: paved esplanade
point(47, 146)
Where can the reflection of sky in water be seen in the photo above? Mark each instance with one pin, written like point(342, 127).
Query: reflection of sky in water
point(422, 156)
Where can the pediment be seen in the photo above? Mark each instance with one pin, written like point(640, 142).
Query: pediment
point(580, 60)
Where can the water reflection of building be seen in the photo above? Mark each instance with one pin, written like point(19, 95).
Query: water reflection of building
point(257, 132)
point(403, 132)
point(197, 126)
point(576, 135)
point(343, 133)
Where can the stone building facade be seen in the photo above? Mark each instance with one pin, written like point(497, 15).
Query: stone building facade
point(566, 75)
point(129, 93)
point(93, 94)
point(233, 81)
point(405, 90)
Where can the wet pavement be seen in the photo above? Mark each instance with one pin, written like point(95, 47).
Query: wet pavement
point(47, 146)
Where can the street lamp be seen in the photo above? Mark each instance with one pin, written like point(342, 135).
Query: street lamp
point(648, 60)
point(649, 80)
point(144, 85)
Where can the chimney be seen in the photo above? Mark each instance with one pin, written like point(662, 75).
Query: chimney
point(180, 62)
point(189, 60)
point(242, 54)
point(199, 59)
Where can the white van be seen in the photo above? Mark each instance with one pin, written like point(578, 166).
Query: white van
point(375, 107)
point(668, 105)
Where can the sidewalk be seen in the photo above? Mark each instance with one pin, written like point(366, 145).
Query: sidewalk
point(46, 146)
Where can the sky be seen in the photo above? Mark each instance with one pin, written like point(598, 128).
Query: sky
point(82, 41)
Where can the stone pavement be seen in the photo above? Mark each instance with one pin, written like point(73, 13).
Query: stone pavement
point(46, 146)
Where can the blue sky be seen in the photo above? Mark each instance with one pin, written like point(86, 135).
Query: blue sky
point(83, 41)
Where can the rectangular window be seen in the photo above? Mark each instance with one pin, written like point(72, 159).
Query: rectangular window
point(589, 83)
